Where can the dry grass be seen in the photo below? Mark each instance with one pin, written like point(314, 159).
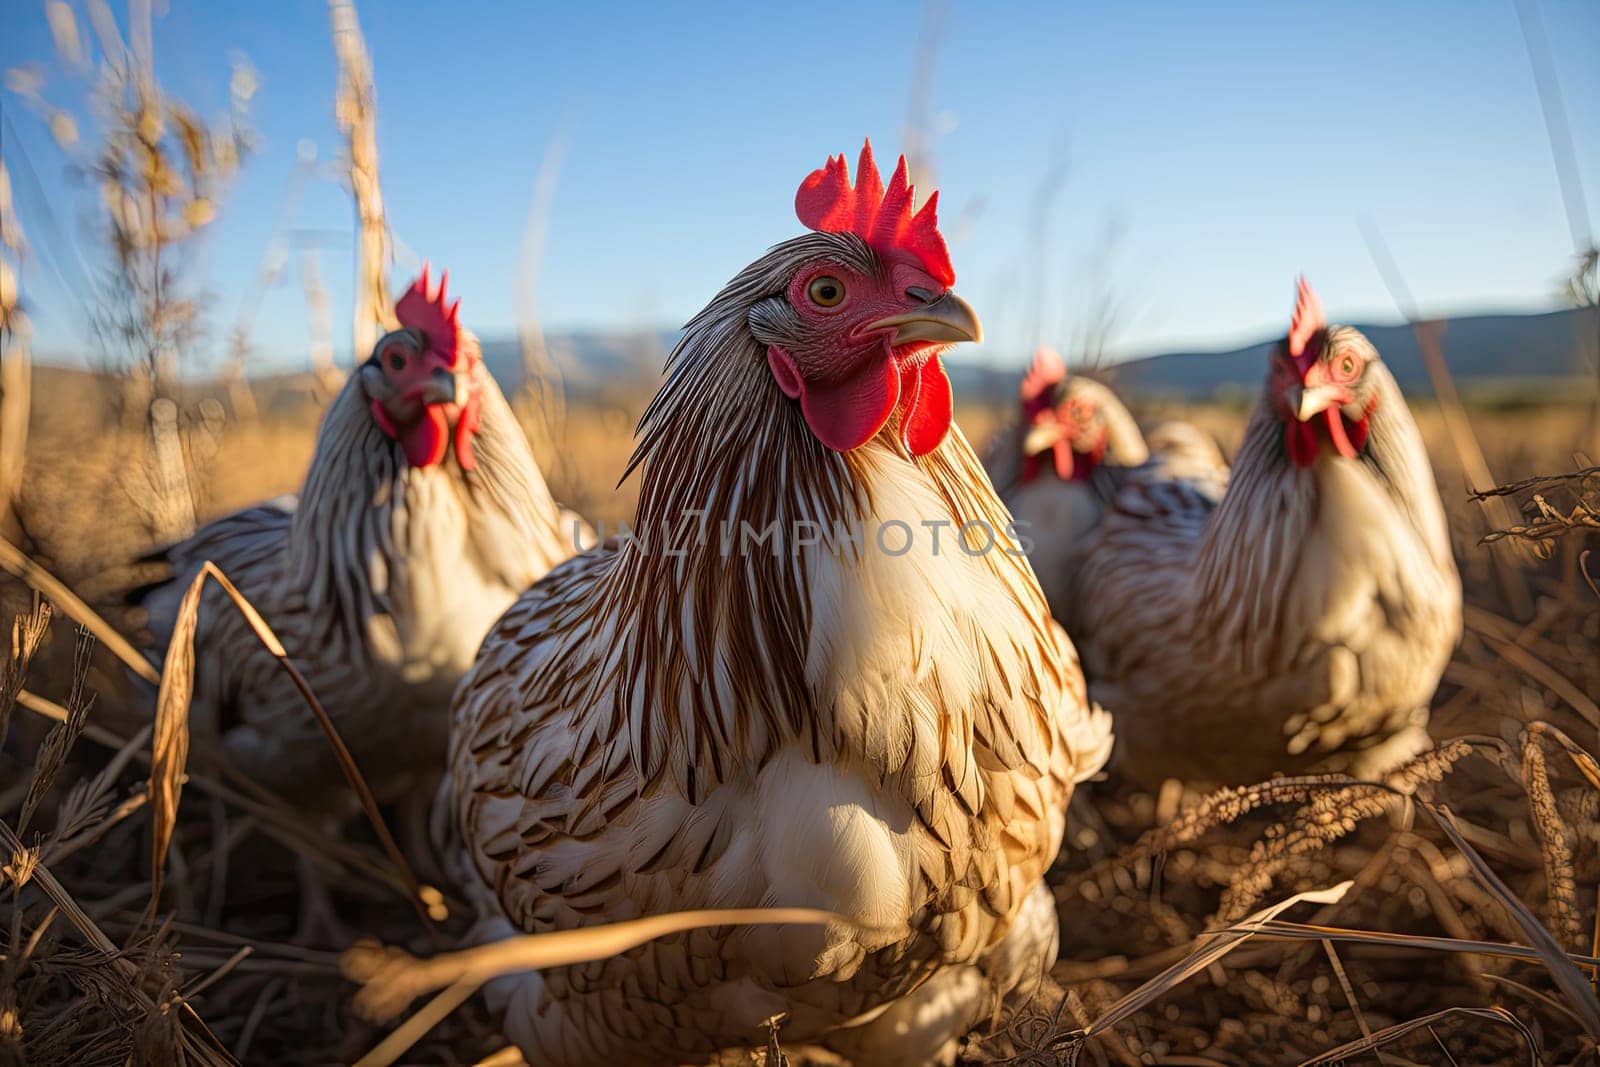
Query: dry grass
point(1197, 930)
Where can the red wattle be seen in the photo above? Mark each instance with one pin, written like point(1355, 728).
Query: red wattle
point(1357, 431)
point(1337, 435)
point(425, 442)
point(844, 415)
point(381, 417)
point(1300, 441)
point(1066, 463)
point(926, 406)
point(1082, 470)
point(466, 426)
point(1348, 438)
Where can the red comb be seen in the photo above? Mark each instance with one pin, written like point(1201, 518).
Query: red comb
point(1045, 371)
point(440, 322)
point(1308, 320)
point(826, 201)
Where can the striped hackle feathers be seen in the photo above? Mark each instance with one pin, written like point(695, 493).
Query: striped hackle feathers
point(1303, 621)
point(381, 581)
point(694, 717)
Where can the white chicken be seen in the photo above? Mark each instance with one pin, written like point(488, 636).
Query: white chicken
point(788, 697)
point(1300, 619)
point(1048, 465)
point(423, 515)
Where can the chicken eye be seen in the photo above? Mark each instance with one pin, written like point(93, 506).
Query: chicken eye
point(826, 291)
point(1347, 366)
point(396, 358)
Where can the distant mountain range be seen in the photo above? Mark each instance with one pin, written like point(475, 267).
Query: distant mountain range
point(1524, 352)
point(1480, 349)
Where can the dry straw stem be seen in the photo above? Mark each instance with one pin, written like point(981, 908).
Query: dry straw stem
point(413, 1029)
point(1485, 625)
point(541, 374)
point(16, 562)
point(1208, 949)
point(392, 978)
point(170, 749)
point(1548, 522)
point(1391, 1033)
point(1580, 996)
point(16, 373)
point(27, 633)
point(204, 1047)
point(426, 899)
point(1229, 804)
point(169, 745)
point(52, 754)
point(1538, 481)
point(1581, 759)
point(1282, 930)
point(1556, 844)
point(1469, 453)
point(356, 108)
point(275, 816)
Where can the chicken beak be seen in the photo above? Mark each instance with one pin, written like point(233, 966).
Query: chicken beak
point(1306, 401)
point(947, 320)
point(1042, 438)
point(440, 388)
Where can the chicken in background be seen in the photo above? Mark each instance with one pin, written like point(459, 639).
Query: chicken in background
point(1047, 466)
point(1304, 620)
point(423, 515)
point(891, 735)
point(1181, 450)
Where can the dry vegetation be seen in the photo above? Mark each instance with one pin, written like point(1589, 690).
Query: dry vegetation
point(1445, 916)
point(1466, 871)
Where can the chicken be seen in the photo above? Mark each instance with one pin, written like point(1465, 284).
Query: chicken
point(1044, 465)
point(1182, 450)
point(1302, 622)
point(791, 697)
point(422, 516)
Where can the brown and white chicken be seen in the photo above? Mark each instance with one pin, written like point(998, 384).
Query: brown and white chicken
point(1045, 465)
point(1302, 622)
point(422, 516)
point(781, 693)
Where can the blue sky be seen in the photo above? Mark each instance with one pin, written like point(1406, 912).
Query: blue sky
point(1216, 150)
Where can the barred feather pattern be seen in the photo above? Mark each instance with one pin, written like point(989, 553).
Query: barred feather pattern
point(1301, 623)
point(381, 581)
point(1056, 515)
point(893, 737)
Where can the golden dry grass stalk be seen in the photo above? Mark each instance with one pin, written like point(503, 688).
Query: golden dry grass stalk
point(356, 108)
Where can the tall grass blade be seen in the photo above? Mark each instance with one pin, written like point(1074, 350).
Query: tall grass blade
point(1580, 996)
point(169, 742)
point(14, 561)
point(1209, 948)
point(1399, 1030)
